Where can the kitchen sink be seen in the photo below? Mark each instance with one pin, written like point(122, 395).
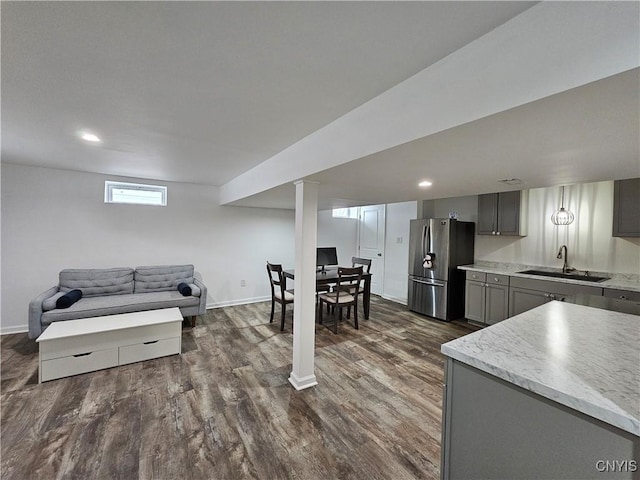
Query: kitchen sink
point(570, 276)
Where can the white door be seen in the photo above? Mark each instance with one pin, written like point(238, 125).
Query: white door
point(371, 243)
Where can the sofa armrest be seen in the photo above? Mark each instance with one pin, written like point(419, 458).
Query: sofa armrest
point(202, 308)
point(35, 312)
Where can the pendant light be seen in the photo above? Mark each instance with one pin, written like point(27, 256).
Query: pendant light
point(562, 216)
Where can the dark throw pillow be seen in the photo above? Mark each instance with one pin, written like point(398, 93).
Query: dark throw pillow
point(69, 299)
point(184, 289)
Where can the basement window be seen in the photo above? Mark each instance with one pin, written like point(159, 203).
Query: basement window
point(135, 193)
point(351, 212)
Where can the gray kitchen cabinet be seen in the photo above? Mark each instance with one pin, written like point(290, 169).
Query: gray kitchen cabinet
point(497, 300)
point(474, 299)
point(622, 294)
point(523, 299)
point(503, 213)
point(626, 208)
point(527, 293)
point(486, 297)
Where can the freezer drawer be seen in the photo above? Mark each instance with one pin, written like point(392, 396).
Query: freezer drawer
point(428, 297)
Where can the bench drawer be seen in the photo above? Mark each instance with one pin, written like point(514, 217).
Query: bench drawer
point(147, 350)
point(76, 364)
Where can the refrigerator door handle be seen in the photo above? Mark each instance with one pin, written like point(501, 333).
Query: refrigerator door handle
point(424, 237)
point(428, 282)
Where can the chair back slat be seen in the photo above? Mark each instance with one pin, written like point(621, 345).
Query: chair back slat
point(276, 277)
point(365, 262)
point(278, 280)
point(348, 277)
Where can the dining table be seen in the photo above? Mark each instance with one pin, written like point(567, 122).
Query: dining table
point(329, 276)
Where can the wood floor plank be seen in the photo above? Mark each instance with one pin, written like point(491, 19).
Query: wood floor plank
point(224, 408)
point(85, 454)
point(37, 458)
point(162, 453)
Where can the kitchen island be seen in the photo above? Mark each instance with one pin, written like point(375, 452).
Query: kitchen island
point(551, 393)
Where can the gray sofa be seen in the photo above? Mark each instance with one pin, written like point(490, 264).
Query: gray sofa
point(118, 290)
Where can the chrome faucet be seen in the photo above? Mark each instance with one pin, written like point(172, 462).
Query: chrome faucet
point(565, 267)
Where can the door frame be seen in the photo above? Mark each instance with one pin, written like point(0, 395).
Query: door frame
point(378, 272)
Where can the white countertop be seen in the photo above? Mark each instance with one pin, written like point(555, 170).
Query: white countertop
point(616, 281)
point(581, 357)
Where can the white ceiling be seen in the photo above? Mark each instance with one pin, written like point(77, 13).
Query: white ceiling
point(202, 92)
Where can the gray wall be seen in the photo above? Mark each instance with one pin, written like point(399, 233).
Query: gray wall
point(396, 251)
point(55, 219)
point(343, 234)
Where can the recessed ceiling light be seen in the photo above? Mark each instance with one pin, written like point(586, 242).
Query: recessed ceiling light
point(425, 184)
point(90, 137)
point(511, 181)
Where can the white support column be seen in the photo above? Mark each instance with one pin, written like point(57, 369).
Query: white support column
point(304, 308)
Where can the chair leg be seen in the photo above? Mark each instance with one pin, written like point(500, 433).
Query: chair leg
point(320, 308)
point(355, 315)
point(273, 305)
point(193, 321)
point(284, 307)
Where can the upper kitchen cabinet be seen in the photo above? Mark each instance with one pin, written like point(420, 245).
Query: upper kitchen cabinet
point(626, 208)
point(503, 213)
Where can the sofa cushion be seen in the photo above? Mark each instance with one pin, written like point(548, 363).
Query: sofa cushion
point(97, 281)
point(50, 303)
point(184, 289)
point(162, 278)
point(195, 290)
point(69, 298)
point(113, 304)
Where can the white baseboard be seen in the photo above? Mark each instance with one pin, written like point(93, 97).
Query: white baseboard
point(233, 303)
point(402, 301)
point(302, 383)
point(11, 330)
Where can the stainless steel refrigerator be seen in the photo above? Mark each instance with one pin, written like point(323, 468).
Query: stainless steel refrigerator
point(437, 247)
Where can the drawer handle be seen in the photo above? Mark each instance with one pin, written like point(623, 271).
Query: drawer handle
point(496, 279)
point(83, 354)
point(149, 343)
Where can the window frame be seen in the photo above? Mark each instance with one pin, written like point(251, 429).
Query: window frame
point(346, 212)
point(111, 185)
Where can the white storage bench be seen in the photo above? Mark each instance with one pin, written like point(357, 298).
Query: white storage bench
point(85, 345)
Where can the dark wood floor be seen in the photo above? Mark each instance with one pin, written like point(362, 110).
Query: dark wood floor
point(224, 409)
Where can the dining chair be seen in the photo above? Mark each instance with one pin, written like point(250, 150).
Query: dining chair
point(359, 289)
point(279, 292)
point(325, 288)
point(340, 297)
point(365, 262)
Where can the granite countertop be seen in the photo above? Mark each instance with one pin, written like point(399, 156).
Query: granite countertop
point(617, 281)
point(581, 357)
